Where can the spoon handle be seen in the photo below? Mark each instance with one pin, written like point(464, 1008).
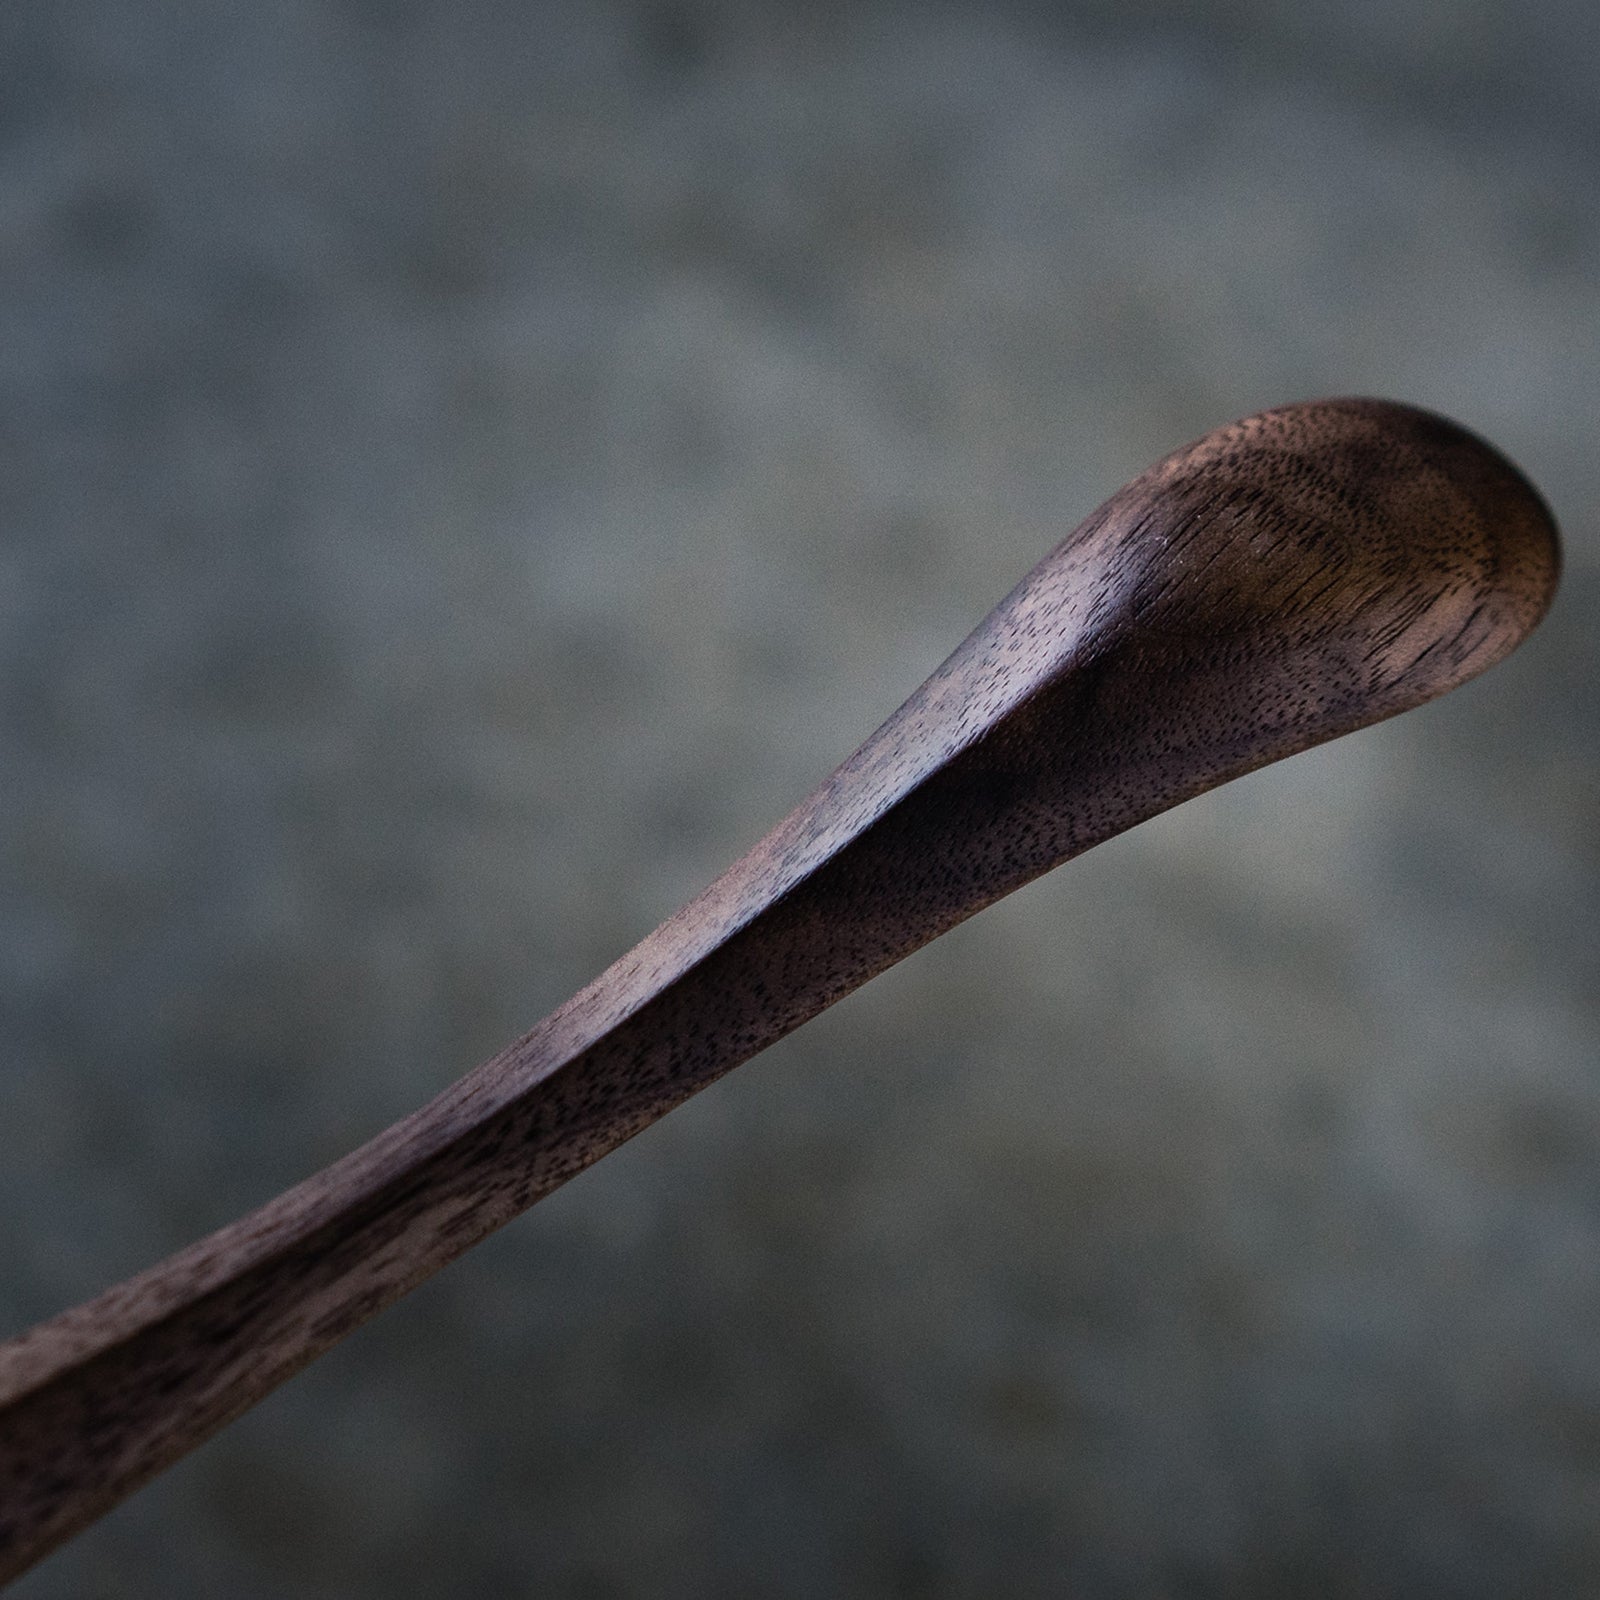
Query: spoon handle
point(1281, 581)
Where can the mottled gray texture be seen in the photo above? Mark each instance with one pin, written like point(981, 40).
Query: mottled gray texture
point(465, 470)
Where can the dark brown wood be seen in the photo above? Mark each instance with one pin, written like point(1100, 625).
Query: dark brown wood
point(1283, 580)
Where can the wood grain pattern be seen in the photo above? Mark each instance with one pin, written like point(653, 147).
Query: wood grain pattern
point(1283, 580)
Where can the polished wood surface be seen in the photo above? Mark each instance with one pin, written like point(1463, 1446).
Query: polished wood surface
point(1284, 580)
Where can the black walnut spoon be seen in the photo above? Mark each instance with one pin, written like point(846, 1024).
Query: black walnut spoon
point(1281, 581)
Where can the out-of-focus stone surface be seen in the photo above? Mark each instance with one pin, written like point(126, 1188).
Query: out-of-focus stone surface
point(466, 469)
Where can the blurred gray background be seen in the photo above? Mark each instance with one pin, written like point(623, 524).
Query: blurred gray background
point(466, 469)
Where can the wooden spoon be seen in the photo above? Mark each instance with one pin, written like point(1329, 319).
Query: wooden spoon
point(1283, 580)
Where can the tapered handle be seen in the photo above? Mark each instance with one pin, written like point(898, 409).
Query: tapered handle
point(1283, 580)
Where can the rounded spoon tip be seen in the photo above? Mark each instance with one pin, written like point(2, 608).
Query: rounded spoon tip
point(1360, 516)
